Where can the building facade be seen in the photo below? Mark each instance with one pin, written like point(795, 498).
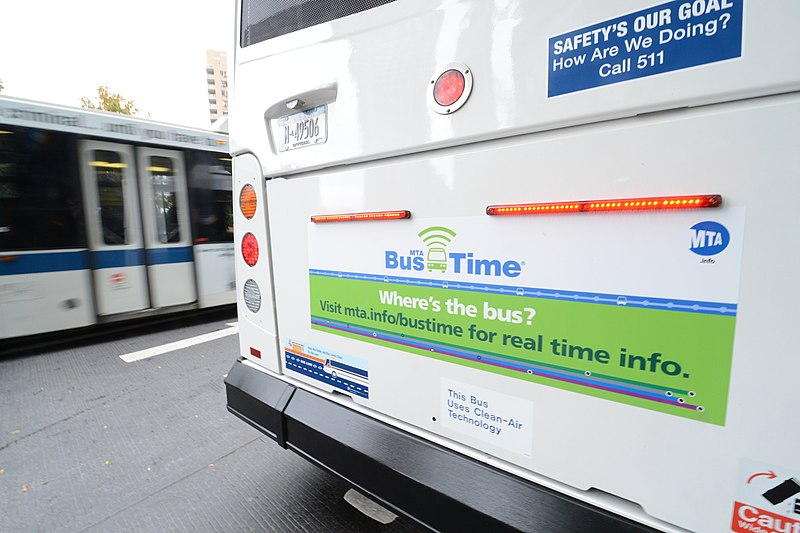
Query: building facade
point(217, 80)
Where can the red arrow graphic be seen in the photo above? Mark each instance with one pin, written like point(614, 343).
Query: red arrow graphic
point(770, 475)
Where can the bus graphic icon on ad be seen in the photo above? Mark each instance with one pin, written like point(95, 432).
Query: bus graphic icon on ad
point(437, 259)
point(436, 238)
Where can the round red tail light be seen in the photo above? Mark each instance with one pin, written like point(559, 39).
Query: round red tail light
point(250, 249)
point(448, 87)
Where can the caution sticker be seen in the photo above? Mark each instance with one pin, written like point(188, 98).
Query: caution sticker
point(767, 499)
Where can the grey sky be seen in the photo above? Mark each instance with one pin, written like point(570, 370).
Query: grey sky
point(150, 51)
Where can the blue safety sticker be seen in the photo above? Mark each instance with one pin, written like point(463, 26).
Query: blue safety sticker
point(664, 38)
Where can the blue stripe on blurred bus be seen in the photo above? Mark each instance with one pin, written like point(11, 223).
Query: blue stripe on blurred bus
point(163, 256)
point(37, 263)
point(117, 258)
point(11, 264)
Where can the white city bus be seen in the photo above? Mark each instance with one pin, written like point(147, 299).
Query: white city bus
point(105, 217)
point(558, 242)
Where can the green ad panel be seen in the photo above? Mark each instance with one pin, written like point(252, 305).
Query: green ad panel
point(674, 362)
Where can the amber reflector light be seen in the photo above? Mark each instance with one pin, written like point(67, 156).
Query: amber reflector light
point(248, 201)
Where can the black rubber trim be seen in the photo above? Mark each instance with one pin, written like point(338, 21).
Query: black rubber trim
point(259, 400)
point(440, 488)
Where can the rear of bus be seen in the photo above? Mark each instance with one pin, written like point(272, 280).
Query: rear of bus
point(558, 243)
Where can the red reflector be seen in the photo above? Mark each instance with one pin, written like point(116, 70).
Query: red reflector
point(250, 249)
point(255, 353)
point(449, 87)
point(623, 204)
point(349, 217)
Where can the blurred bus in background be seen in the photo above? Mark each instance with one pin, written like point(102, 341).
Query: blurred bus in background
point(106, 217)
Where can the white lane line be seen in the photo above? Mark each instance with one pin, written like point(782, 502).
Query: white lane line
point(178, 345)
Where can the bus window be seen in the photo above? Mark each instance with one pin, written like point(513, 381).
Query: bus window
point(162, 180)
point(108, 173)
point(40, 206)
point(265, 20)
point(210, 189)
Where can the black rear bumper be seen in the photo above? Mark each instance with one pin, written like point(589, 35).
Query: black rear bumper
point(440, 488)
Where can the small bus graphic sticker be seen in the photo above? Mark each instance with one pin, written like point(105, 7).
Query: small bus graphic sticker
point(339, 369)
point(436, 238)
point(437, 259)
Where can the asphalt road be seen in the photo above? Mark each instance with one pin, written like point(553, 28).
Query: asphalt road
point(89, 442)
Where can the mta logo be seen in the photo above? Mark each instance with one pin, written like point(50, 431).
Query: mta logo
point(708, 238)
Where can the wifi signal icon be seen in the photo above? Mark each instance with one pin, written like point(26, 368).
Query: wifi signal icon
point(436, 238)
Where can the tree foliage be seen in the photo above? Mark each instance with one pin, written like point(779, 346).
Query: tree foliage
point(107, 100)
point(1, 86)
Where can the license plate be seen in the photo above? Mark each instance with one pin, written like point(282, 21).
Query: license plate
point(306, 128)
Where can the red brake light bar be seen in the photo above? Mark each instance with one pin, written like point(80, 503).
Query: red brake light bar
point(375, 215)
point(604, 206)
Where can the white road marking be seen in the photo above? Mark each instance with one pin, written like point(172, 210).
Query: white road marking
point(178, 345)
